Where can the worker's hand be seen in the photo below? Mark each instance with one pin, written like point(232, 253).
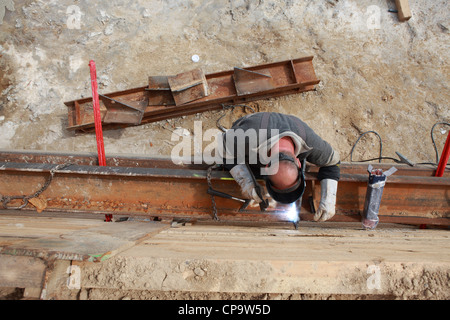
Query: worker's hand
point(272, 203)
point(243, 177)
point(327, 206)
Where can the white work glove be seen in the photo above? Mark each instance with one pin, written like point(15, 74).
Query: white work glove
point(243, 177)
point(272, 203)
point(327, 206)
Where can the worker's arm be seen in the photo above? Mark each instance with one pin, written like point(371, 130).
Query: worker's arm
point(328, 190)
point(324, 156)
point(241, 173)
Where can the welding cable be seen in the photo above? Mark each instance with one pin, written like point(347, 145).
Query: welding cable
point(396, 160)
point(434, 143)
point(225, 108)
point(381, 148)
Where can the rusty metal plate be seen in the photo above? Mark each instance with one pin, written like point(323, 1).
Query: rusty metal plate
point(159, 91)
point(248, 82)
point(158, 83)
point(117, 112)
point(188, 86)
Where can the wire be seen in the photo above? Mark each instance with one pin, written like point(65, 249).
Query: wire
point(434, 143)
point(397, 160)
point(379, 159)
point(225, 108)
point(381, 147)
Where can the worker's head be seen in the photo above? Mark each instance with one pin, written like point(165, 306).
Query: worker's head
point(287, 173)
point(286, 184)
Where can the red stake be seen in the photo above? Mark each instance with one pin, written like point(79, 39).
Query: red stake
point(444, 158)
point(97, 115)
point(98, 122)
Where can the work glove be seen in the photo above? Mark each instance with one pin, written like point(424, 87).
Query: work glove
point(271, 203)
point(327, 206)
point(243, 177)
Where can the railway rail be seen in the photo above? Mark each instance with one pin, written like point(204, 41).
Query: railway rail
point(155, 102)
point(159, 189)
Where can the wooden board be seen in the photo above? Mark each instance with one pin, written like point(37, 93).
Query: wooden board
point(404, 11)
point(318, 258)
point(21, 272)
point(71, 239)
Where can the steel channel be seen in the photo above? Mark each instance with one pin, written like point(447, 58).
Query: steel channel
point(166, 190)
point(223, 91)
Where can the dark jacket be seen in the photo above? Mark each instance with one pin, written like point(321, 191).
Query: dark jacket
point(309, 145)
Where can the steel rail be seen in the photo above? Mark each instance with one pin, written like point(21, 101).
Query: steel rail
point(288, 77)
point(157, 188)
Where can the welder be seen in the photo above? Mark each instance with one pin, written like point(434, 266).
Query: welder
point(272, 146)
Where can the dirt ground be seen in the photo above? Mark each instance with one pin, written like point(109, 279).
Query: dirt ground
point(376, 73)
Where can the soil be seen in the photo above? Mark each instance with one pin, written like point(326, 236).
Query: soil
point(377, 74)
point(380, 75)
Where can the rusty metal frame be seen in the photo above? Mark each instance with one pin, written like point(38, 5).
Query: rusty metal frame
point(157, 188)
point(287, 77)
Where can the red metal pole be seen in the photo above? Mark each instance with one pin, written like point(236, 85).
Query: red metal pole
point(98, 122)
point(97, 115)
point(444, 158)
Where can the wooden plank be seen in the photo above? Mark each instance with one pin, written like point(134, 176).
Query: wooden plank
point(404, 11)
point(31, 227)
point(21, 272)
point(71, 239)
point(32, 293)
point(319, 258)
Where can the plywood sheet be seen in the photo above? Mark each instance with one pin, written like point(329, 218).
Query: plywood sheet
point(71, 239)
point(21, 272)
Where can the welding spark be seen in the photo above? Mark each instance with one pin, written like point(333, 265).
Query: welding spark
point(292, 212)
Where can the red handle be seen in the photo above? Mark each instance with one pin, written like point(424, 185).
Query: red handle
point(444, 158)
point(97, 115)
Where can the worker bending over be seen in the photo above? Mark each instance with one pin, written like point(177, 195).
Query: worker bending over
point(272, 146)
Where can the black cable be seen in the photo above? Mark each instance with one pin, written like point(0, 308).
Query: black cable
point(396, 160)
point(434, 143)
point(225, 108)
point(381, 147)
point(379, 159)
